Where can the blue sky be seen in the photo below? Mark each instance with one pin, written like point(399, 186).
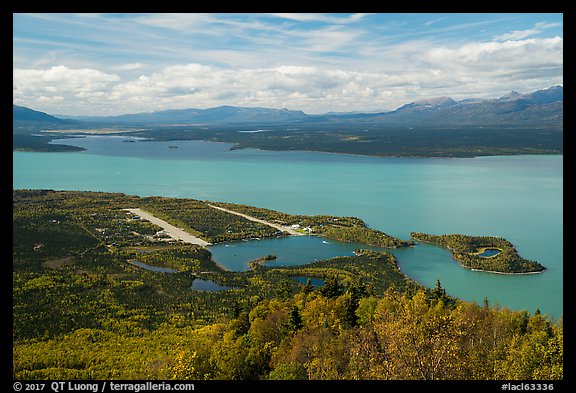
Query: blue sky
point(105, 64)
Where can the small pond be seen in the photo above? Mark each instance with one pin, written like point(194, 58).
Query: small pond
point(207, 285)
point(317, 282)
point(489, 252)
point(152, 268)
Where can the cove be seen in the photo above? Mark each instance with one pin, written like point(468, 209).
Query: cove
point(519, 198)
point(289, 251)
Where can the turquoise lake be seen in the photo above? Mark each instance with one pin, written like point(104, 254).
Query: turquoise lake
point(516, 197)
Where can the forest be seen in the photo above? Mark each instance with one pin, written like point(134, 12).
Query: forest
point(76, 293)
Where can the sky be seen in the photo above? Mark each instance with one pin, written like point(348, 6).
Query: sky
point(110, 64)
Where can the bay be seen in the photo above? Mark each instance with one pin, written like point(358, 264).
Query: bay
point(289, 251)
point(516, 197)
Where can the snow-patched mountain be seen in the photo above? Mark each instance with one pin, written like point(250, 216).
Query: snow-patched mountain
point(540, 108)
point(513, 95)
point(428, 104)
point(546, 96)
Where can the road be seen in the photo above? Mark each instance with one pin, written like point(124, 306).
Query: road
point(277, 226)
point(171, 230)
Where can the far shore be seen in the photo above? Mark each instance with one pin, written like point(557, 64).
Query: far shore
point(92, 131)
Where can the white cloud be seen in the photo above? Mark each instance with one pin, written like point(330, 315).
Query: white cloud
point(328, 39)
point(312, 89)
point(129, 66)
point(304, 17)
point(485, 57)
point(61, 78)
point(433, 21)
point(61, 86)
point(521, 34)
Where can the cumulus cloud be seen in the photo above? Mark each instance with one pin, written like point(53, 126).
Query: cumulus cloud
point(296, 87)
point(60, 84)
point(61, 79)
point(494, 67)
point(487, 55)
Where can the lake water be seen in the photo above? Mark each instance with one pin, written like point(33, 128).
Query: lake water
point(198, 284)
point(207, 285)
point(316, 282)
point(519, 198)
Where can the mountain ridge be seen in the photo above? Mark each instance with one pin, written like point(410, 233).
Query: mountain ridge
point(539, 107)
point(22, 113)
point(219, 114)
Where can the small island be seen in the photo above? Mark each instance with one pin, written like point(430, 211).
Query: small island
point(484, 253)
point(258, 261)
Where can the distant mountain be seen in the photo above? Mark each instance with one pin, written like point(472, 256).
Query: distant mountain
point(348, 113)
point(428, 105)
point(471, 100)
point(547, 96)
point(540, 108)
point(218, 115)
point(512, 96)
point(21, 113)
point(26, 120)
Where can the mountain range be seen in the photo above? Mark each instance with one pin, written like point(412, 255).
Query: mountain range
point(219, 115)
point(542, 107)
point(539, 108)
